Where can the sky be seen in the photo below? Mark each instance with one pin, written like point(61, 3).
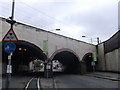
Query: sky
point(74, 18)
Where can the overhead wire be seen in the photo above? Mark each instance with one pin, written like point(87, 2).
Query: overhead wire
point(5, 10)
point(29, 13)
point(41, 12)
point(20, 14)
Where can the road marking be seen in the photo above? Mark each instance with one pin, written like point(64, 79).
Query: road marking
point(54, 84)
point(28, 83)
point(38, 83)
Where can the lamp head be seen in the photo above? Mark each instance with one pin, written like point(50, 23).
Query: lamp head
point(83, 36)
point(57, 29)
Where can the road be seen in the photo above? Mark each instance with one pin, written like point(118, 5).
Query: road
point(17, 82)
point(61, 81)
point(0, 82)
point(80, 81)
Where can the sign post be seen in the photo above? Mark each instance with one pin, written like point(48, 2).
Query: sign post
point(9, 71)
point(93, 65)
point(10, 47)
point(94, 55)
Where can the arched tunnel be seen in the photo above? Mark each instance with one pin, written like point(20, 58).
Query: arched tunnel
point(69, 60)
point(24, 53)
point(88, 58)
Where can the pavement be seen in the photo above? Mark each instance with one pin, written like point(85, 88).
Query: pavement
point(105, 75)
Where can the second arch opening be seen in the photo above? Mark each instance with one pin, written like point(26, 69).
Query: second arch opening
point(69, 61)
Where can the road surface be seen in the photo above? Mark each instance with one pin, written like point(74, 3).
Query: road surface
point(82, 81)
point(17, 82)
point(61, 81)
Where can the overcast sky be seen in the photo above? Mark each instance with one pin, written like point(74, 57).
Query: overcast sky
point(75, 18)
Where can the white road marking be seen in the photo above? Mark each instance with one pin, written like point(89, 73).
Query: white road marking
point(38, 83)
point(28, 83)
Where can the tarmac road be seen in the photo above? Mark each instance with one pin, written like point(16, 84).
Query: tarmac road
point(16, 82)
point(63, 81)
point(81, 81)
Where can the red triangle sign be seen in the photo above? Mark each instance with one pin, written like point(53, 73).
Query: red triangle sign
point(10, 36)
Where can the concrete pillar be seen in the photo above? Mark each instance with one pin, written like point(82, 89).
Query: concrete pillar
point(83, 68)
point(101, 66)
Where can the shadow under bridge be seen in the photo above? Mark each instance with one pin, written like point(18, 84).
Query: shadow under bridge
point(69, 60)
point(25, 53)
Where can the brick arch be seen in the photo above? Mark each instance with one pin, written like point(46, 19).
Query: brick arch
point(89, 53)
point(22, 58)
point(87, 59)
point(62, 50)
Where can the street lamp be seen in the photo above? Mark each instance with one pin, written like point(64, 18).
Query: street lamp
point(47, 40)
point(98, 40)
point(87, 37)
point(46, 66)
point(56, 30)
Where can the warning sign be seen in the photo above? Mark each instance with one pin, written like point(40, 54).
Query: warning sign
point(10, 37)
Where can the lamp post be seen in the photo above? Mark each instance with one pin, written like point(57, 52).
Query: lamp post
point(93, 62)
point(98, 40)
point(47, 40)
point(87, 37)
point(47, 60)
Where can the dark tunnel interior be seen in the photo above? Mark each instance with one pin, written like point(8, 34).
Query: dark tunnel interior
point(88, 59)
point(69, 61)
point(24, 53)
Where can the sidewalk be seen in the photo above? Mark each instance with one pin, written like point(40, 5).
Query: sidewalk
point(105, 75)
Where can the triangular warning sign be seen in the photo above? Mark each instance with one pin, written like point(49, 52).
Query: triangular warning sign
point(10, 36)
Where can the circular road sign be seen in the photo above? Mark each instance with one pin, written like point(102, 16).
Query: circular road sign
point(93, 63)
point(9, 47)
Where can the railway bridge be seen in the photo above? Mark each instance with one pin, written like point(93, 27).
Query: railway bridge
point(36, 43)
